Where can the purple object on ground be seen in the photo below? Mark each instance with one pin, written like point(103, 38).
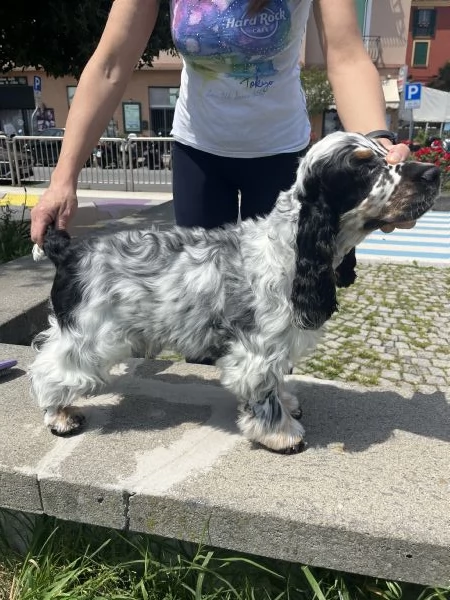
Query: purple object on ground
point(7, 364)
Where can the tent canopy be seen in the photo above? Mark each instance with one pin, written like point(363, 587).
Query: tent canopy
point(434, 107)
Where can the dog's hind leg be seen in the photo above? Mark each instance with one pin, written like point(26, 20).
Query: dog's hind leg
point(68, 366)
point(265, 412)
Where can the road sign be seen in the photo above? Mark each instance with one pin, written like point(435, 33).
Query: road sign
point(413, 95)
point(37, 83)
point(402, 77)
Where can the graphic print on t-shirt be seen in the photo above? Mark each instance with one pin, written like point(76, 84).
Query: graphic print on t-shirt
point(218, 36)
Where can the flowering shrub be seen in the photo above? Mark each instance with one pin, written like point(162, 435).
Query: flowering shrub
point(439, 157)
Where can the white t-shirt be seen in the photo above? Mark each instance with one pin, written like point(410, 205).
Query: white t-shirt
point(240, 93)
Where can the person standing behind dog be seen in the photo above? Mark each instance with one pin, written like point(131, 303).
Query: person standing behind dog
point(240, 121)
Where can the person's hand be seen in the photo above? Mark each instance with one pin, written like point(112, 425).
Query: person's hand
point(396, 154)
point(57, 205)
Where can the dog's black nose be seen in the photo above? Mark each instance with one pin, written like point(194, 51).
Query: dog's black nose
point(431, 174)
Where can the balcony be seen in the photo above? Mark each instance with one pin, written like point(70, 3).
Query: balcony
point(372, 44)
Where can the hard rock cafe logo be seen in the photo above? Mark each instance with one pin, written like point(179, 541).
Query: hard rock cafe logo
point(262, 25)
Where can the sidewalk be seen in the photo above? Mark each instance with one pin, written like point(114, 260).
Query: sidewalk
point(16, 196)
point(161, 453)
point(94, 206)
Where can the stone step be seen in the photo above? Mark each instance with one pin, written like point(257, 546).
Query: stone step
point(161, 454)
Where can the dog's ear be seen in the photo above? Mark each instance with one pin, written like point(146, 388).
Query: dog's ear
point(314, 286)
point(345, 272)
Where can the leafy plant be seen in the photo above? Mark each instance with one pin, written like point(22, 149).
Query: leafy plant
point(438, 156)
point(59, 36)
point(442, 80)
point(317, 89)
point(14, 235)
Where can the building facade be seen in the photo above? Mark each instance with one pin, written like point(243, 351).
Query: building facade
point(384, 25)
point(428, 39)
point(146, 108)
point(148, 104)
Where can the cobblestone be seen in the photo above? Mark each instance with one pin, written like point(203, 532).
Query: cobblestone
point(392, 329)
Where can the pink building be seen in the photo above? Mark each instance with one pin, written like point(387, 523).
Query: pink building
point(428, 38)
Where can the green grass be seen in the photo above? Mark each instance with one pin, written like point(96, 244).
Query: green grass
point(391, 312)
point(67, 560)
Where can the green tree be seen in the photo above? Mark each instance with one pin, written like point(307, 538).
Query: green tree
point(60, 35)
point(317, 89)
point(442, 79)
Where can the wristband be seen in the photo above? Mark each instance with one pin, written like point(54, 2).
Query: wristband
point(383, 133)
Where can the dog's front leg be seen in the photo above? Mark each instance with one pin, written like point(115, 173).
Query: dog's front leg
point(268, 415)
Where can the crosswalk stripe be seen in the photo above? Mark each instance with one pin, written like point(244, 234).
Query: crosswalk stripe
point(428, 241)
point(398, 241)
point(437, 249)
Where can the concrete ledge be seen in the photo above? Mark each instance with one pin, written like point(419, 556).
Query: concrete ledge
point(161, 454)
point(25, 290)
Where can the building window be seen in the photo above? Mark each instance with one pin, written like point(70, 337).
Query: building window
point(364, 15)
point(162, 102)
point(424, 22)
point(132, 118)
point(421, 51)
point(70, 93)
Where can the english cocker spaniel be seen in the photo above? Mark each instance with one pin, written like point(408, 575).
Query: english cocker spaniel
point(255, 295)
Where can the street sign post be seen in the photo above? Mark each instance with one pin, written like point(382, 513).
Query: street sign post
point(402, 78)
point(37, 89)
point(37, 84)
point(412, 99)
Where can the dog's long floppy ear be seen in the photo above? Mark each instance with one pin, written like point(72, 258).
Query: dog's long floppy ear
point(345, 272)
point(314, 286)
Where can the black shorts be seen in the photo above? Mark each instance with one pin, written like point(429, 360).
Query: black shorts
point(206, 186)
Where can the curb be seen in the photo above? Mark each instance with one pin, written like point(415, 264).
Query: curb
point(23, 196)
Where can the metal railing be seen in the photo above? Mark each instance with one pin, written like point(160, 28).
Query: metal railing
point(134, 164)
point(372, 43)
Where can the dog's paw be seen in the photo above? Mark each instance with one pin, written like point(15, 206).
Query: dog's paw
point(286, 438)
point(64, 421)
point(296, 449)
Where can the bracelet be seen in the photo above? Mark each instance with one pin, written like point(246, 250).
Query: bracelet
point(383, 133)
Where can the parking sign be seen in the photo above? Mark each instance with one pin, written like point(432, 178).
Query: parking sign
point(413, 95)
point(37, 83)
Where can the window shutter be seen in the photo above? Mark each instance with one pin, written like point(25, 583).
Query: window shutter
point(361, 6)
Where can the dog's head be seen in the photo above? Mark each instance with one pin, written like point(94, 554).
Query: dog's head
point(347, 189)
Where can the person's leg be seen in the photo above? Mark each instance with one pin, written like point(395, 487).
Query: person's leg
point(262, 179)
point(203, 195)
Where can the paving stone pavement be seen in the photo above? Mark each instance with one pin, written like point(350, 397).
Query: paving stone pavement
point(392, 328)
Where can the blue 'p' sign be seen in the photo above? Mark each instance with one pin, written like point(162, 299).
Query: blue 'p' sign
point(413, 95)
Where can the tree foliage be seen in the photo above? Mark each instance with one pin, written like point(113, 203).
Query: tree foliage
point(317, 89)
point(442, 79)
point(60, 35)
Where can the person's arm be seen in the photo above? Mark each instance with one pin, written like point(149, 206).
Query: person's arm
point(353, 77)
point(100, 88)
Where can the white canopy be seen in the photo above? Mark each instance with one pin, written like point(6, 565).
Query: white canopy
point(434, 107)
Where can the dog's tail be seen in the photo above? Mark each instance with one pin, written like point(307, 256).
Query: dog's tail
point(56, 246)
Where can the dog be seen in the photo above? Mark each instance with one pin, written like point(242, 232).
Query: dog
point(255, 295)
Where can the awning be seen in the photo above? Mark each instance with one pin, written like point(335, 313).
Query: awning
point(16, 97)
point(390, 91)
point(434, 107)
